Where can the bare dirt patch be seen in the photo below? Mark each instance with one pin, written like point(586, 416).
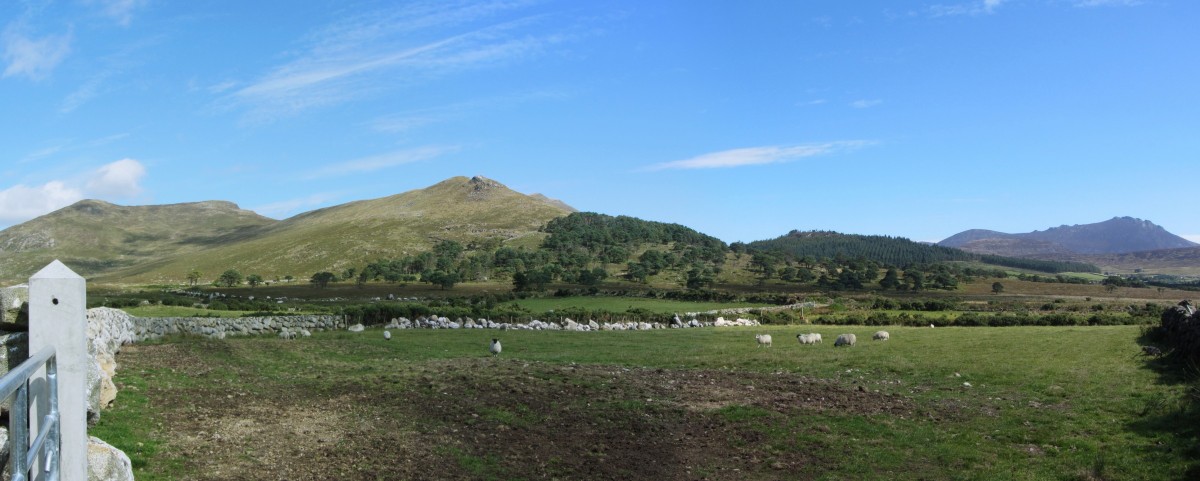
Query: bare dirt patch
point(496, 419)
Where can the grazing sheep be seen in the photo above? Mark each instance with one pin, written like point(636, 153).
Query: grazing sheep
point(881, 336)
point(495, 349)
point(931, 326)
point(285, 333)
point(763, 339)
point(808, 338)
point(387, 335)
point(845, 340)
point(816, 336)
point(1152, 351)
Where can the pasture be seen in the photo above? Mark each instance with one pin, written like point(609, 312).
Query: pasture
point(1015, 403)
point(621, 304)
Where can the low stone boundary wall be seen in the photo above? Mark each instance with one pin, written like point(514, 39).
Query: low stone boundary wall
point(145, 328)
point(566, 324)
point(1181, 324)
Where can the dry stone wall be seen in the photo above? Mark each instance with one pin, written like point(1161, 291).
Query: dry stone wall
point(145, 328)
point(1181, 324)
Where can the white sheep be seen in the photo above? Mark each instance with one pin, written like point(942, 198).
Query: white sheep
point(763, 339)
point(845, 340)
point(808, 338)
point(285, 333)
point(387, 335)
point(495, 349)
point(816, 336)
point(881, 336)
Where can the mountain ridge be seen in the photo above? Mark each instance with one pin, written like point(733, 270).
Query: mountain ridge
point(1119, 235)
point(163, 243)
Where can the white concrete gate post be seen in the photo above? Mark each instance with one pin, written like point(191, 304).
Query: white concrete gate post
point(58, 317)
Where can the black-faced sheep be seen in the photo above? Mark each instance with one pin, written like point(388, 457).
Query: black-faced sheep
point(845, 340)
point(495, 349)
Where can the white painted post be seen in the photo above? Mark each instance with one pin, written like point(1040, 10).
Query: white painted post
point(58, 317)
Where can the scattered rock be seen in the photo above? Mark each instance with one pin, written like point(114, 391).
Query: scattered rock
point(106, 463)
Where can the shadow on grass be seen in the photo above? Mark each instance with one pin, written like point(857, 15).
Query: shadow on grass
point(1174, 417)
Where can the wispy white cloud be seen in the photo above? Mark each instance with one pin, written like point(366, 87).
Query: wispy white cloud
point(387, 49)
point(865, 103)
point(33, 57)
point(121, 11)
point(1107, 3)
point(287, 208)
point(409, 120)
point(42, 153)
point(403, 123)
point(976, 7)
point(68, 145)
point(221, 87)
point(380, 161)
point(812, 102)
point(84, 93)
point(113, 181)
point(758, 156)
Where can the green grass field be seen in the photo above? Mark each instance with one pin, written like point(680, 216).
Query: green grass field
point(621, 304)
point(1019, 403)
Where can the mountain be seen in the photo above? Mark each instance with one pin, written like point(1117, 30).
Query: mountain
point(898, 251)
point(1184, 261)
point(1118, 235)
point(94, 236)
point(472, 211)
point(111, 243)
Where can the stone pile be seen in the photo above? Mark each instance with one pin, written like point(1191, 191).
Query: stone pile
point(566, 324)
point(11, 299)
point(217, 327)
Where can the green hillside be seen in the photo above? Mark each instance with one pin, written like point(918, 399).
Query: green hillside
point(94, 237)
point(471, 211)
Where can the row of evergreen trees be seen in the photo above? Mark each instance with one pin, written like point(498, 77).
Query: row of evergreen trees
point(583, 248)
point(895, 251)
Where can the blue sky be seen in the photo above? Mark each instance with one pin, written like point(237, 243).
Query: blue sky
point(743, 120)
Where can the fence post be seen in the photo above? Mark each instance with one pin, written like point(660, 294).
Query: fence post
point(58, 317)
